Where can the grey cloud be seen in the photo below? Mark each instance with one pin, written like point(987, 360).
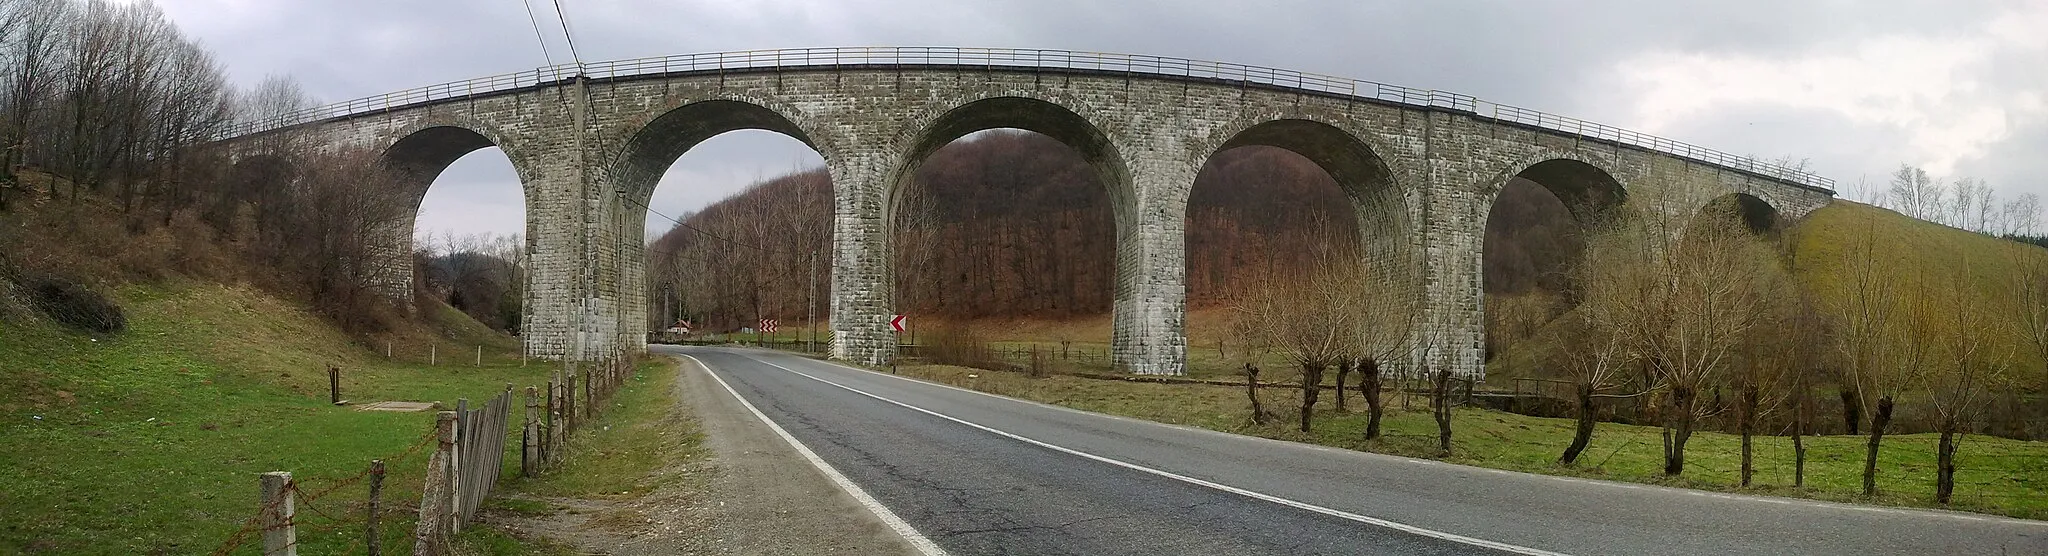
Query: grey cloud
point(1552, 56)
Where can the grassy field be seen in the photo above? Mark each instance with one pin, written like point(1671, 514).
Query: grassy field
point(1995, 475)
point(636, 446)
point(643, 441)
point(149, 441)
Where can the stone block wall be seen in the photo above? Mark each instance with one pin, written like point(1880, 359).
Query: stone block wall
point(589, 153)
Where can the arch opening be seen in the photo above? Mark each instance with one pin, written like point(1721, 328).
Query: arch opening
point(1741, 211)
point(1535, 237)
point(1003, 224)
point(1281, 208)
point(743, 249)
point(467, 234)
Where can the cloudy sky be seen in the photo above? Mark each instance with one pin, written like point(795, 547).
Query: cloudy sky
point(1960, 88)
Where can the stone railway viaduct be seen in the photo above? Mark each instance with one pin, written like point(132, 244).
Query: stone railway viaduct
point(1423, 167)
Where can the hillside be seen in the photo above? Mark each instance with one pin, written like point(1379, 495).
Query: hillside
point(213, 372)
point(1012, 225)
point(167, 423)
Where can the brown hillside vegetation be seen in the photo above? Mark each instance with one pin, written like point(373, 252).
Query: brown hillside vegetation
point(1010, 225)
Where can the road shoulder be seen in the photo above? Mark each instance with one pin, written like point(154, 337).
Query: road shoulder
point(749, 492)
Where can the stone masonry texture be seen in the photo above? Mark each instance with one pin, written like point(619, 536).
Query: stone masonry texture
point(589, 152)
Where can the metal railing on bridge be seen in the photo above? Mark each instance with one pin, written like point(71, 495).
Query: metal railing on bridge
point(1036, 59)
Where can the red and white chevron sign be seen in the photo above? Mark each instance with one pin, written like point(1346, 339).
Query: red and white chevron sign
point(899, 323)
point(768, 326)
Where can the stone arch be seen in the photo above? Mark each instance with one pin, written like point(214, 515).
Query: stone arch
point(1064, 119)
point(421, 152)
point(652, 145)
point(648, 149)
point(1052, 113)
point(1358, 163)
point(1582, 180)
point(1756, 215)
point(429, 145)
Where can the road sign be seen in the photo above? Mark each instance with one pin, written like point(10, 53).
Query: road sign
point(768, 326)
point(899, 323)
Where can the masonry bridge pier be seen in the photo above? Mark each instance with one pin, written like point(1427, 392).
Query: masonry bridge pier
point(1422, 167)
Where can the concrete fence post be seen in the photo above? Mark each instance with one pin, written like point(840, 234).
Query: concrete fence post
point(279, 536)
point(433, 354)
point(479, 356)
point(432, 532)
point(371, 534)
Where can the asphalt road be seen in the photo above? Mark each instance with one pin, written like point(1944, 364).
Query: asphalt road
point(982, 474)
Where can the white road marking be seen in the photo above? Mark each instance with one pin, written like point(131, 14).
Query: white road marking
point(917, 540)
point(1951, 514)
point(1432, 533)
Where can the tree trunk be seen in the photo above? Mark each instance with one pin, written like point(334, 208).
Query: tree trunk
point(1852, 409)
point(1343, 372)
point(1799, 443)
point(1945, 466)
point(1441, 402)
point(1251, 388)
point(1369, 382)
point(1878, 422)
point(1311, 386)
point(1745, 423)
point(1584, 435)
point(1677, 430)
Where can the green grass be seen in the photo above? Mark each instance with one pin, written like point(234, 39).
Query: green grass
point(1995, 475)
point(150, 440)
point(638, 444)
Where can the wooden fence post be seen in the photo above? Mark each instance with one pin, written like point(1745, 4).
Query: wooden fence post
point(433, 354)
point(430, 535)
point(529, 441)
point(569, 420)
point(279, 536)
point(479, 356)
point(370, 532)
point(457, 468)
point(334, 385)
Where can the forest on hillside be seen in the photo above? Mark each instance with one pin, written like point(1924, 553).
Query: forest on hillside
point(1014, 224)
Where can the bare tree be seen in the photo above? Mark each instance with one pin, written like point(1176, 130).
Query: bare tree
point(36, 31)
point(2021, 215)
point(1312, 320)
point(1700, 292)
point(1916, 194)
point(273, 100)
point(1592, 345)
point(346, 213)
point(1966, 366)
point(1772, 365)
point(1511, 321)
point(1863, 306)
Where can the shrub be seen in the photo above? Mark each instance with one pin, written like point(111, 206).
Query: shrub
point(75, 305)
point(956, 344)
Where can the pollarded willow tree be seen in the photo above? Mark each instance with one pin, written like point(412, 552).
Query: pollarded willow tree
point(1966, 365)
point(1313, 320)
point(1688, 293)
point(1592, 345)
point(1864, 305)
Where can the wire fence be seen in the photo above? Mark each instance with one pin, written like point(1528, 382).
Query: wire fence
point(461, 473)
point(330, 507)
point(1015, 59)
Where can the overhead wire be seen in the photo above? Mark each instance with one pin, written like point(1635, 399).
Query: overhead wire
point(530, 17)
point(571, 37)
point(708, 233)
